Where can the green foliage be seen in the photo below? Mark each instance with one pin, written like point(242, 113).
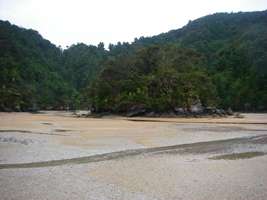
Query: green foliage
point(81, 64)
point(220, 59)
point(157, 78)
point(28, 70)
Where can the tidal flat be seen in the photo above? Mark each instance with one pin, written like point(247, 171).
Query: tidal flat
point(55, 155)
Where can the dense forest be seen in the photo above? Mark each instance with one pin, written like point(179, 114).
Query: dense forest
point(219, 60)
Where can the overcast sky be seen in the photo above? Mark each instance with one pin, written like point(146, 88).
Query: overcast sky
point(65, 22)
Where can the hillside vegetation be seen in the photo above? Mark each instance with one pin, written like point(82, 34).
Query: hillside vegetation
point(217, 60)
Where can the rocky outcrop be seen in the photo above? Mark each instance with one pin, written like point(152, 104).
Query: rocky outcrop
point(195, 110)
point(136, 111)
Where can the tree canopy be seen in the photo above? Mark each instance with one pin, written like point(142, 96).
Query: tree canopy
point(218, 60)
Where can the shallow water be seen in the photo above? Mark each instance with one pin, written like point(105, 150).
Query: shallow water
point(237, 156)
point(212, 147)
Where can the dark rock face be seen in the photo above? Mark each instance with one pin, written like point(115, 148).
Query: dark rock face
point(137, 112)
point(195, 110)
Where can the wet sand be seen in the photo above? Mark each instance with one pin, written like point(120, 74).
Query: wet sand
point(54, 155)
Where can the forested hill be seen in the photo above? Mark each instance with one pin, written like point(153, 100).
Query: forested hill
point(29, 66)
point(213, 33)
point(217, 60)
point(35, 74)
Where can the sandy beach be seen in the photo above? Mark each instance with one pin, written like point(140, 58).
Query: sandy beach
point(55, 155)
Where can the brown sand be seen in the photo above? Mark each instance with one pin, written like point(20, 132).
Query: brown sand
point(26, 138)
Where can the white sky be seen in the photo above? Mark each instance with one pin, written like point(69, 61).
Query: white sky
point(65, 22)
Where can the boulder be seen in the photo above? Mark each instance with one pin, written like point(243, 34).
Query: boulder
point(136, 110)
point(151, 114)
point(210, 110)
point(82, 113)
point(180, 110)
point(229, 111)
point(168, 114)
point(219, 112)
point(197, 108)
point(238, 115)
